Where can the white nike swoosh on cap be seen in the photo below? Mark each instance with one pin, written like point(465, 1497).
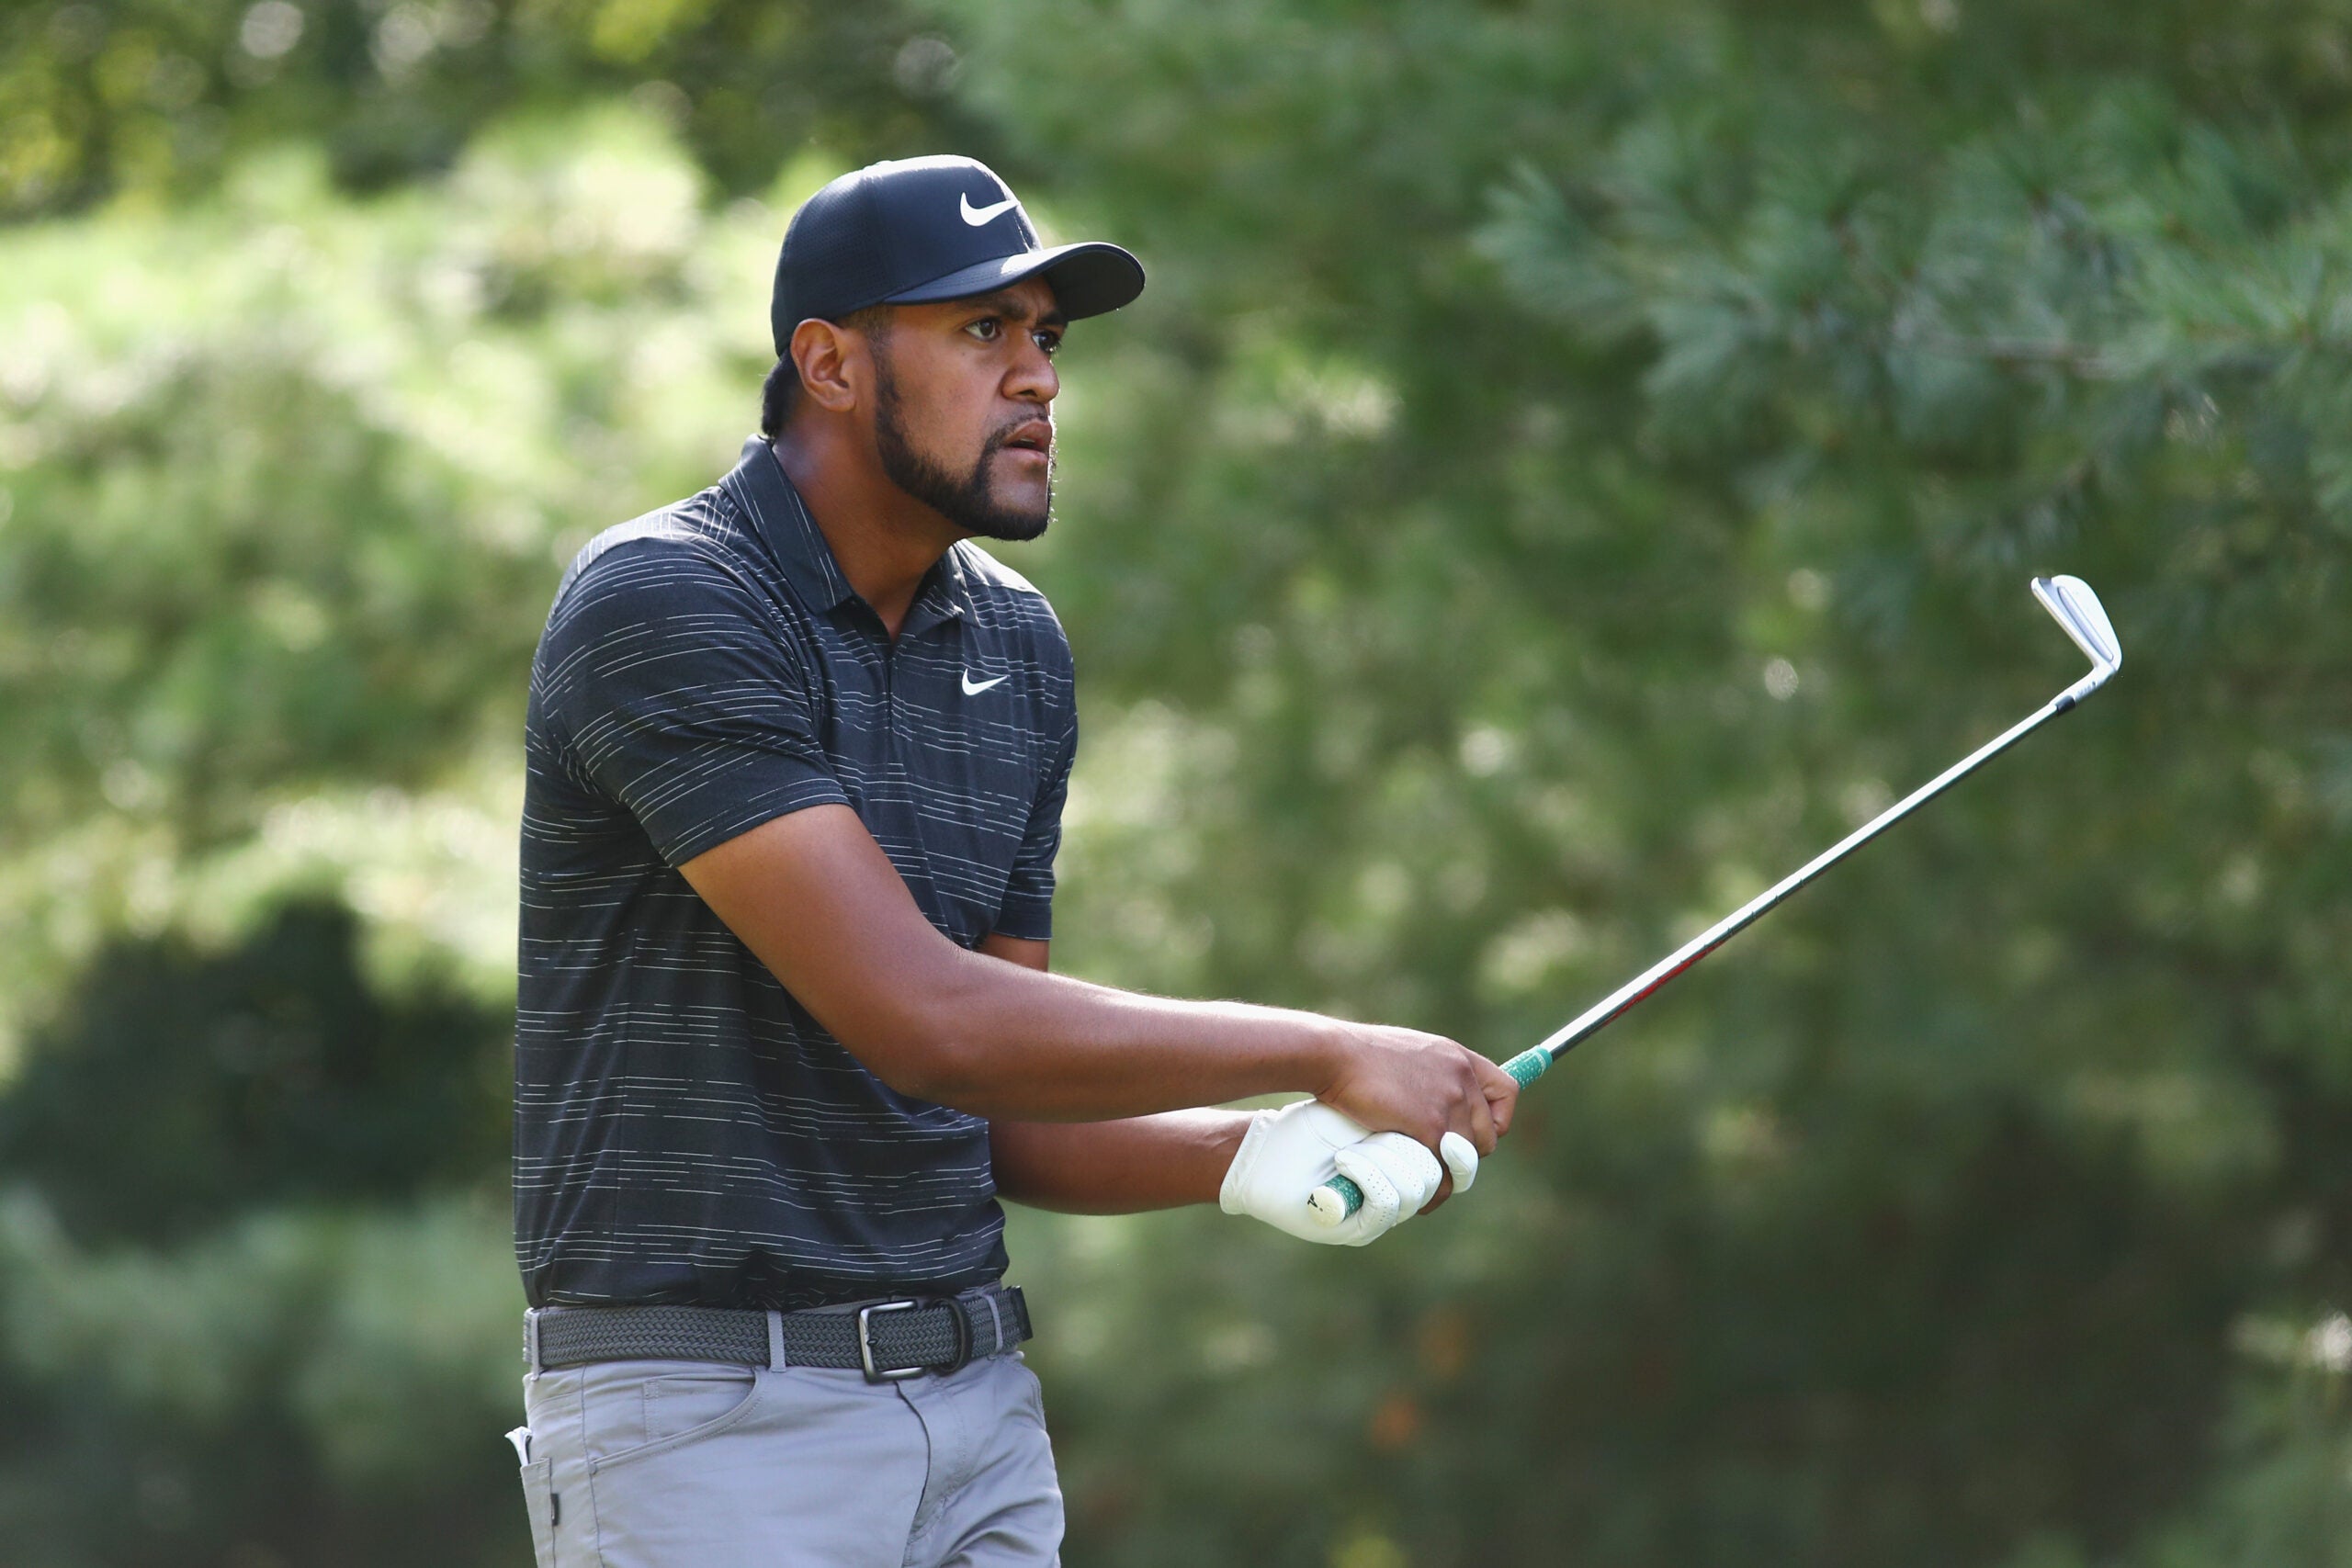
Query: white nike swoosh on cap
point(975, 215)
point(974, 688)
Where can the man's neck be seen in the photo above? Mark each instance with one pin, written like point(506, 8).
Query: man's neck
point(883, 539)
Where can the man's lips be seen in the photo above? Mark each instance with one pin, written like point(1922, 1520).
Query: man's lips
point(1034, 436)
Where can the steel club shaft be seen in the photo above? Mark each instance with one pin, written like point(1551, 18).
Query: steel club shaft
point(2068, 599)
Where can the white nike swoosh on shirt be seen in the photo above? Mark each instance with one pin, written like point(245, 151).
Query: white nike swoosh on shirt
point(974, 688)
point(975, 215)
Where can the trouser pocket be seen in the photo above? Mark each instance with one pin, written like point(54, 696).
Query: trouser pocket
point(540, 1498)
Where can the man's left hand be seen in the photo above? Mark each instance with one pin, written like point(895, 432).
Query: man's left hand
point(1287, 1153)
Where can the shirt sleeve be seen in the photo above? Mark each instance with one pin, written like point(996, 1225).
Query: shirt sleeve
point(680, 696)
point(1028, 909)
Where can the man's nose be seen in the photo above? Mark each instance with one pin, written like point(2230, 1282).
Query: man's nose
point(1034, 379)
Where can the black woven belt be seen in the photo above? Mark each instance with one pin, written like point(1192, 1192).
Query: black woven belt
point(885, 1340)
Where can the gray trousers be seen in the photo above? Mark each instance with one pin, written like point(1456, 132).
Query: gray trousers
point(691, 1464)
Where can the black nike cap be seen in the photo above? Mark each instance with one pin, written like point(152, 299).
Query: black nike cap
point(916, 229)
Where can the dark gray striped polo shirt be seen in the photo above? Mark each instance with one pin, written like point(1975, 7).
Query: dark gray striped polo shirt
point(683, 1130)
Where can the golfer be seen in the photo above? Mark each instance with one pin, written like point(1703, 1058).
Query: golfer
point(797, 753)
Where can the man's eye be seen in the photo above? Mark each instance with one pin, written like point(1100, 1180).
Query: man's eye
point(1049, 342)
point(986, 329)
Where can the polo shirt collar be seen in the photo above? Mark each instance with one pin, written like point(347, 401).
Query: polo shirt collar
point(944, 596)
point(760, 484)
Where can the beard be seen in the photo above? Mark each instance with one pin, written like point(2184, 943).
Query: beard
point(968, 501)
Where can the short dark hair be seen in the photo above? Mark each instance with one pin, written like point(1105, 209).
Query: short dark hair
point(780, 393)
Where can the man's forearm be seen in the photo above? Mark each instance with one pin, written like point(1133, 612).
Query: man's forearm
point(814, 898)
point(1004, 1041)
point(1116, 1168)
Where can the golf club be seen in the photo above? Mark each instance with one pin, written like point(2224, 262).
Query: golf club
point(2075, 606)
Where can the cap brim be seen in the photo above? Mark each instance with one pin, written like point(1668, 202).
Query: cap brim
point(1088, 278)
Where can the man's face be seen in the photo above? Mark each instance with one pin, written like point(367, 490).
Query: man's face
point(962, 416)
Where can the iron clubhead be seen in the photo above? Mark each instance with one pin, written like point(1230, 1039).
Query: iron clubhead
point(2074, 606)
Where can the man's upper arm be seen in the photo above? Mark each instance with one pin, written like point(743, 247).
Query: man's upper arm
point(677, 693)
point(817, 901)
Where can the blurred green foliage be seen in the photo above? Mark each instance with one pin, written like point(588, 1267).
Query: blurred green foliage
point(152, 99)
point(290, 1080)
point(1572, 461)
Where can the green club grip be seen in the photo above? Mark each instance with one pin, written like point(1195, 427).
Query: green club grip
point(1339, 1198)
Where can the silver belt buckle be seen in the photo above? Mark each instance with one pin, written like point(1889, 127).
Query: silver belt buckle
point(865, 1343)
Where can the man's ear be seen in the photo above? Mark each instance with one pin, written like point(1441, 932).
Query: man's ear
point(836, 366)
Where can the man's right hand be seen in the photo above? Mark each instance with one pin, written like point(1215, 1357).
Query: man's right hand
point(1424, 1086)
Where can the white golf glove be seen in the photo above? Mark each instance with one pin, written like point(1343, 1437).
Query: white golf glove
point(1287, 1153)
